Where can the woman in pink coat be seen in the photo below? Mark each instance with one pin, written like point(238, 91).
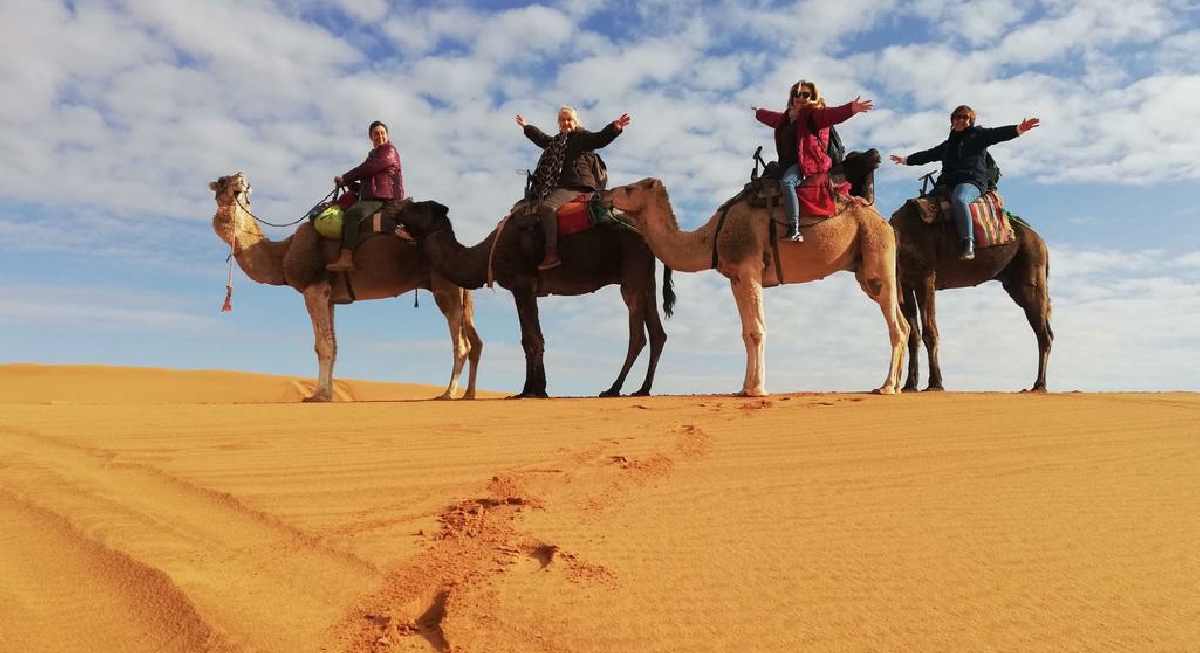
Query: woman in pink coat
point(801, 142)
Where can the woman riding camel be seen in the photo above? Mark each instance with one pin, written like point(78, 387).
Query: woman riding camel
point(381, 182)
point(565, 169)
point(802, 142)
point(963, 170)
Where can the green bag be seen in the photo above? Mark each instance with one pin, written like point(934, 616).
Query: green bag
point(329, 222)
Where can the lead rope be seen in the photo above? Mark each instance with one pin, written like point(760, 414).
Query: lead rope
point(233, 228)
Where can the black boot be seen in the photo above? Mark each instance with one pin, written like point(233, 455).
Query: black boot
point(793, 233)
point(966, 250)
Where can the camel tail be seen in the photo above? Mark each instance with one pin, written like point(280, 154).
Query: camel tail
point(668, 291)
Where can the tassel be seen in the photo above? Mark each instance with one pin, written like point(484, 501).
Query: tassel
point(228, 305)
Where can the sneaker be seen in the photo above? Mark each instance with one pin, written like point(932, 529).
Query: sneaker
point(967, 251)
point(793, 234)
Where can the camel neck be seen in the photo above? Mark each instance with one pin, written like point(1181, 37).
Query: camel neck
point(259, 258)
point(461, 265)
point(684, 251)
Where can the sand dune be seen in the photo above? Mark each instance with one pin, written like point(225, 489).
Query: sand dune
point(938, 522)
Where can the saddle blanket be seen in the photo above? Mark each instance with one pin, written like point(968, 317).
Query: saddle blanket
point(988, 220)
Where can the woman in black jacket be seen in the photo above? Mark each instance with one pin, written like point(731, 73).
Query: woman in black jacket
point(963, 170)
point(564, 169)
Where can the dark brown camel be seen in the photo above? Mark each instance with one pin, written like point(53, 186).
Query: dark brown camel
point(928, 261)
point(592, 259)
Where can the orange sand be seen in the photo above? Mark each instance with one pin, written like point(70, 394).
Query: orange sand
point(150, 510)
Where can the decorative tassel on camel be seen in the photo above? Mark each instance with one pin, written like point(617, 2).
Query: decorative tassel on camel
point(228, 305)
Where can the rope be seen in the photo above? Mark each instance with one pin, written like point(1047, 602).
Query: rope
point(245, 208)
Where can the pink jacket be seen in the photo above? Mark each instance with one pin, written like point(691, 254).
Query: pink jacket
point(380, 175)
point(811, 148)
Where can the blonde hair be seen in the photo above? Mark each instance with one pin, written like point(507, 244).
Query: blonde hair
point(812, 86)
point(574, 113)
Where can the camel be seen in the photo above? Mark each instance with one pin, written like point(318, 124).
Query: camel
point(856, 239)
point(929, 262)
point(591, 259)
point(386, 267)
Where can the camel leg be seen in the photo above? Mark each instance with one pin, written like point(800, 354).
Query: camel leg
point(473, 341)
point(658, 339)
point(637, 336)
point(1030, 291)
point(532, 341)
point(877, 277)
point(927, 305)
point(319, 302)
point(449, 299)
point(746, 284)
point(908, 307)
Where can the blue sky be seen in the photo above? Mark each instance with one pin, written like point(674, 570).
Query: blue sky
point(118, 113)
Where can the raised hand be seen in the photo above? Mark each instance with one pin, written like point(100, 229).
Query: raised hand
point(520, 121)
point(622, 122)
point(859, 105)
point(899, 160)
point(1027, 124)
point(338, 181)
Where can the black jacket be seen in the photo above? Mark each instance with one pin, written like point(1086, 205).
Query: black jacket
point(577, 170)
point(962, 155)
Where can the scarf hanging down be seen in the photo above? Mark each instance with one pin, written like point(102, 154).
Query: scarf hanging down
point(550, 165)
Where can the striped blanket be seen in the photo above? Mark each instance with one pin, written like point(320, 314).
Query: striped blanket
point(989, 220)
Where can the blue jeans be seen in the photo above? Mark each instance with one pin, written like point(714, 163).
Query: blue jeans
point(787, 186)
point(960, 203)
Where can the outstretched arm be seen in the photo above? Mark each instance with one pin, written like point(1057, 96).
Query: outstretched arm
point(597, 140)
point(1001, 134)
point(539, 137)
point(829, 116)
point(921, 158)
point(768, 117)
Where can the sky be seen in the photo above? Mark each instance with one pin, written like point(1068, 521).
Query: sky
point(116, 114)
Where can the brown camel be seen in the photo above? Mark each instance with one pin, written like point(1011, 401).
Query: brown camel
point(929, 262)
point(857, 239)
point(591, 259)
point(385, 267)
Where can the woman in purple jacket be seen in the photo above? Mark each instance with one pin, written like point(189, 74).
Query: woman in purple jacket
point(381, 182)
point(801, 142)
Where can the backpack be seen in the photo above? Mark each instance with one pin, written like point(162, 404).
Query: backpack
point(992, 169)
point(834, 148)
point(599, 171)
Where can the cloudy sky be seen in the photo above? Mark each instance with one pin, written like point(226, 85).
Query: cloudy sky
point(116, 114)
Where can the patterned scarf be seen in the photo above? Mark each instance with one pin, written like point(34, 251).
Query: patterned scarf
point(549, 167)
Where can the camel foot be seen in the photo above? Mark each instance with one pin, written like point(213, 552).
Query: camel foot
point(754, 392)
point(935, 388)
point(467, 397)
point(611, 392)
point(530, 395)
point(642, 392)
point(885, 390)
point(317, 399)
point(445, 396)
point(1037, 389)
point(909, 388)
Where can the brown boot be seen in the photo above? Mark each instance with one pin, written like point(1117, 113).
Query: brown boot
point(551, 260)
point(345, 262)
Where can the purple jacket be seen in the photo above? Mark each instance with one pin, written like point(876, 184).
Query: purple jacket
point(380, 175)
point(811, 156)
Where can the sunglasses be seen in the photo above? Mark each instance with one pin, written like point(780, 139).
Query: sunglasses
point(803, 95)
point(959, 116)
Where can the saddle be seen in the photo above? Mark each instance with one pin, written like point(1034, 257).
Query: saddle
point(587, 210)
point(853, 178)
point(989, 220)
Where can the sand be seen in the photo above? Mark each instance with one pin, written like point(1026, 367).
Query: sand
point(153, 510)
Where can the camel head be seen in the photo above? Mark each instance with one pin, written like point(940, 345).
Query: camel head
point(233, 192)
point(423, 218)
point(915, 209)
point(636, 199)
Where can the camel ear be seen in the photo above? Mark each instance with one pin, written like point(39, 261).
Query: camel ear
point(212, 185)
point(439, 209)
